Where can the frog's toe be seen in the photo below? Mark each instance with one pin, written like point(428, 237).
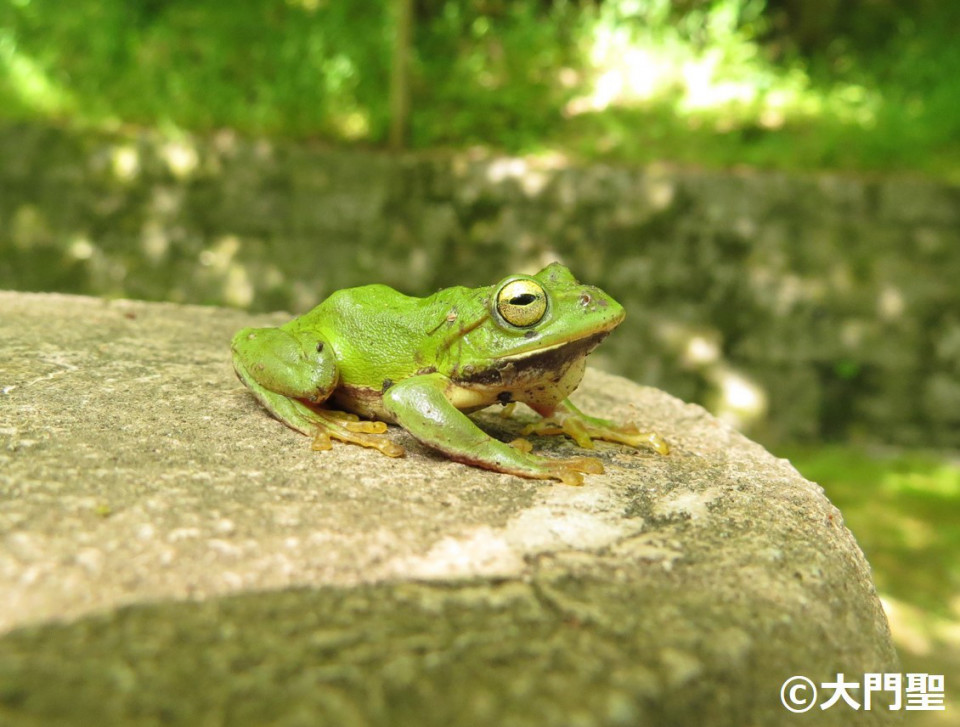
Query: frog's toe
point(543, 427)
point(569, 470)
point(632, 437)
point(387, 447)
point(321, 442)
point(522, 444)
point(579, 432)
point(368, 427)
point(576, 429)
point(651, 440)
point(344, 416)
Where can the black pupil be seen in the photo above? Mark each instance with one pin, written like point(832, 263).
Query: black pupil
point(523, 299)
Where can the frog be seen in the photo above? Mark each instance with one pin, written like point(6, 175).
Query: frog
point(370, 356)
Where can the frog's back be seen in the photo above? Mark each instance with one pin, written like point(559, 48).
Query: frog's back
point(350, 307)
point(378, 333)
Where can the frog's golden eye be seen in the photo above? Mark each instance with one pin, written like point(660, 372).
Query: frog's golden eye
point(521, 302)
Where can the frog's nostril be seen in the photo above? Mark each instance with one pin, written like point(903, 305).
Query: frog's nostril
point(585, 299)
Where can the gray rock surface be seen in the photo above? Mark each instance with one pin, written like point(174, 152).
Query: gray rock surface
point(171, 554)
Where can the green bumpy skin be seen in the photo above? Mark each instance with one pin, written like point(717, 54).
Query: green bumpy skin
point(423, 362)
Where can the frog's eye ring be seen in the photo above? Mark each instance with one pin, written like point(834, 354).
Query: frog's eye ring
point(521, 302)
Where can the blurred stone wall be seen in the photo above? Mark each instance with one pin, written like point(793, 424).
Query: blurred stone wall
point(798, 306)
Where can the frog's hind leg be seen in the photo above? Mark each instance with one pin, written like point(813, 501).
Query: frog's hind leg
point(291, 373)
point(420, 405)
point(324, 425)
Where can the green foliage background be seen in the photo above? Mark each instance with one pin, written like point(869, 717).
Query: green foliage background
point(861, 85)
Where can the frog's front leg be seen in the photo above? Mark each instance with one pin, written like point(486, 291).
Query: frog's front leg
point(288, 373)
point(583, 429)
point(420, 405)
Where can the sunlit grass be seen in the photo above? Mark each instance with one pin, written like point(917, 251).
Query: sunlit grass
point(25, 86)
point(904, 510)
point(703, 91)
point(722, 81)
point(622, 80)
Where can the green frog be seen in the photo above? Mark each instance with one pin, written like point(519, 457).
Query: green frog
point(425, 363)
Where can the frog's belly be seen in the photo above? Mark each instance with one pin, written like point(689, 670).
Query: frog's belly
point(368, 403)
point(542, 390)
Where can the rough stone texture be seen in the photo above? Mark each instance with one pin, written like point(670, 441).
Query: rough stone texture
point(170, 554)
point(836, 295)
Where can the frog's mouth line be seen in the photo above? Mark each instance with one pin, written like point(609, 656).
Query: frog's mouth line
point(554, 358)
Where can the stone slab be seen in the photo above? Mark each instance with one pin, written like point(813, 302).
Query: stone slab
point(171, 554)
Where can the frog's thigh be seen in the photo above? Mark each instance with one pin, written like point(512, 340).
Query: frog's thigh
point(279, 368)
point(299, 366)
point(419, 404)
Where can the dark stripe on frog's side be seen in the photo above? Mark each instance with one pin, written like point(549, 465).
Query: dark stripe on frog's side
point(504, 371)
point(534, 371)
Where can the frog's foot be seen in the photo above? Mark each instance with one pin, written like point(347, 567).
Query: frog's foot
point(584, 429)
point(568, 470)
point(344, 427)
point(629, 434)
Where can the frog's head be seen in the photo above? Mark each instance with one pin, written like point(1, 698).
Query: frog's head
point(540, 324)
